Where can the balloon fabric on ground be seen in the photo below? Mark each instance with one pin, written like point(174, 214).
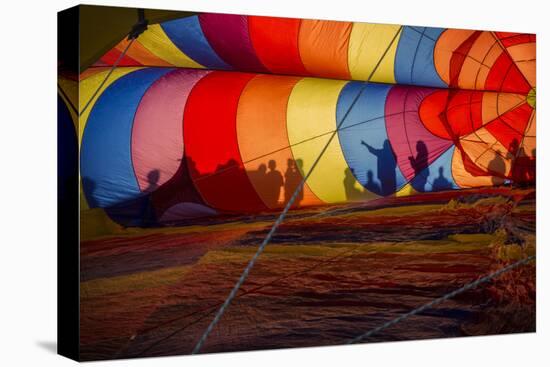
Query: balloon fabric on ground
point(195, 141)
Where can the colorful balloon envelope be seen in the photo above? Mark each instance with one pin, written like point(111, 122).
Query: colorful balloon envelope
point(214, 113)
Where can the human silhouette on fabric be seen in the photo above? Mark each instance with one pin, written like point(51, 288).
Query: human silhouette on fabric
point(273, 182)
point(370, 184)
point(385, 166)
point(497, 168)
point(149, 212)
point(153, 178)
point(352, 192)
point(441, 183)
point(293, 178)
point(419, 165)
point(260, 178)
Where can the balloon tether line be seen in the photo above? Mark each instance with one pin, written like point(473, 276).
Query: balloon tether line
point(443, 298)
point(137, 29)
point(281, 217)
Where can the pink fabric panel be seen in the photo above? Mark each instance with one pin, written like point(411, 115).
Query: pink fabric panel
point(157, 135)
point(405, 128)
point(229, 37)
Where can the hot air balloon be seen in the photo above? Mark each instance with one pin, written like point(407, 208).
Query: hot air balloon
point(213, 113)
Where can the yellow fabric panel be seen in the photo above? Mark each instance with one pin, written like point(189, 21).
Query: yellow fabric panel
point(406, 190)
point(155, 40)
point(311, 114)
point(141, 54)
point(87, 88)
point(367, 44)
point(95, 223)
point(82, 198)
point(70, 89)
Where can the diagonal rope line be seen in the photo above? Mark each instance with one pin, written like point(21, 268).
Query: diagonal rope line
point(66, 98)
point(115, 64)
point(281, 217)
point(447, 296)
point(211, 309)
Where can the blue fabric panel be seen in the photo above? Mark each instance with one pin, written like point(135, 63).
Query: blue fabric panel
point(414, 60)
point(187, 35)
point(105, 158)
point(364, 139)
point(437, 176)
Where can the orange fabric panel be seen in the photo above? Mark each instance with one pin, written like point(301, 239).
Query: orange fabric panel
point(323, 47)
point(484, 52)
point(263, 139)
point(487, 152)
point(496, 104)
point(465, 179)
point(447, 43)
point(525, 58)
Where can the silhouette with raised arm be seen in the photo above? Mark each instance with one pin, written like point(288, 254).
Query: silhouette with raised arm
point(385, 166)
point(419, 165)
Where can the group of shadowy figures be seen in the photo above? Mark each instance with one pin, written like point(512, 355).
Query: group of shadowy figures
point(386, 172)
point(269, 181)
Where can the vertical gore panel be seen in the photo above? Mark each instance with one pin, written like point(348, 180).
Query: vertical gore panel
point(261, 130)
point(228, 35)
point(364, 139)
point(187, 35)
point(311, 120)
point(157, 136)
point(276, 43)
point(367, 52)
point(324, 47)
point(211, 145)
point(105, 158)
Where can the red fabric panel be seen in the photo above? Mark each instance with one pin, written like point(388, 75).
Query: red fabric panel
point(452, 114)
point(506, 77)
point(509, 39)
point(211, 145)
point(509, 128)
point(275, 41)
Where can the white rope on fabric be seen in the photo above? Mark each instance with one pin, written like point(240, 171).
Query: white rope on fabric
point(443, 298)
point(113, 67)
point(138, 28)
point(281, 217)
